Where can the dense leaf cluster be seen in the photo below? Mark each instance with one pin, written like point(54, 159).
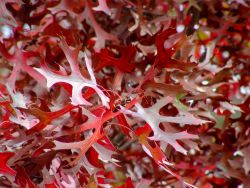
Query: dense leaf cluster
point(124, 93)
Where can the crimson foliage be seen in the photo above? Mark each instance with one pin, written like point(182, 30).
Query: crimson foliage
point(119, 93)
